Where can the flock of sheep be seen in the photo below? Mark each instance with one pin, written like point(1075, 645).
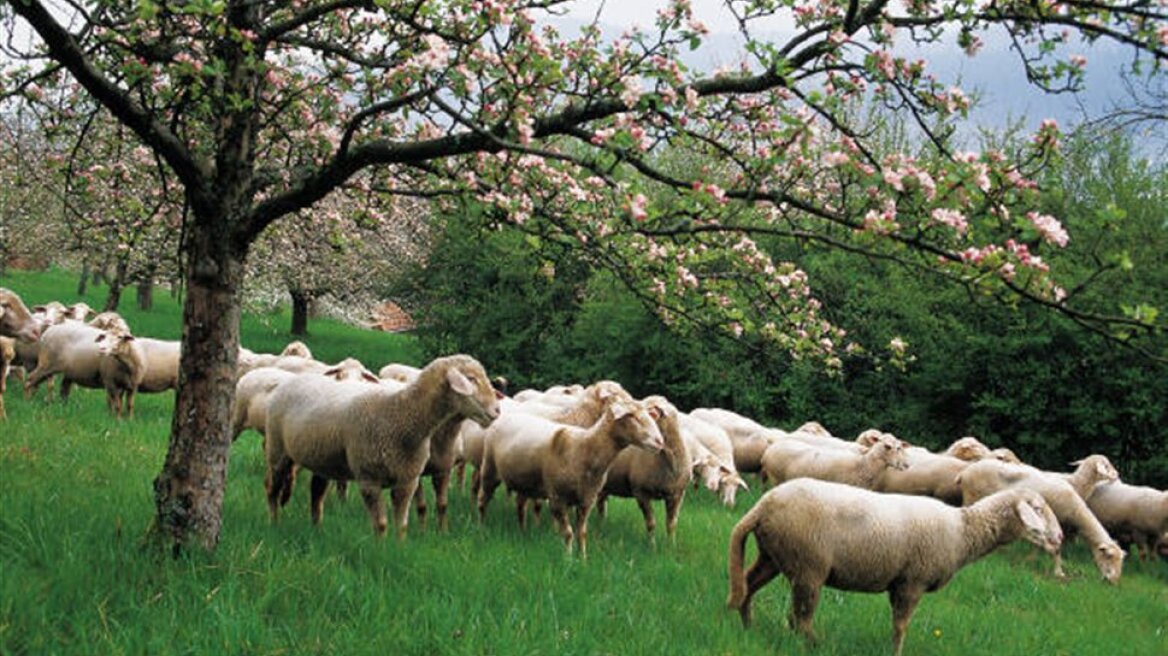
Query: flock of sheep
point(872, 514)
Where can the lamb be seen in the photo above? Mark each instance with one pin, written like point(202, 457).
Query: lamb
point(983, 478)
point(122, 367)
point(818, 533)
point(372, 434)
point(645, 475)
point(540, 459)
point(785, 460)
point(1135, 512)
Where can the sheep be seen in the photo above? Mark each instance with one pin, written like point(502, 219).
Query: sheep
point(70, 349)
point(645, 475)
point(403, 373)
point(711, 472)
point(110, 321)
point(748, 437)
point(586, 408)
point(818, 533)
point(444, 450)
point(1089, 473)
point(968, 448)
point(7, 355)
point(983, 478)
point(1137, 513)
point(553, 394)
point(785, 460)
point(16, 320)
point(162, 364)
point(296, 349)
point(714, 439)
point(927, 474)
point(540, 459)
point(372, 434)
point(121, 367)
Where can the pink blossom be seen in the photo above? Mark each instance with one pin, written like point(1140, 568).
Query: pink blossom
point(1078, 61)
point(952, 218)
point(835, 158)
point(975, 44)
point(1049, 227)
point(631, 90)
point(637, 207)
point(691, 99)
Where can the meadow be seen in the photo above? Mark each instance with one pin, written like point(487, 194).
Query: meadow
point(76, 500)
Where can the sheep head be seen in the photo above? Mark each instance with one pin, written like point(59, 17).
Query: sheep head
point(1098, 467)
point(633, 425)
point(15, 319)
point(969, 448)
point(1109, 560)
point(889, 450)
point(474, 398)
point(1039, 524)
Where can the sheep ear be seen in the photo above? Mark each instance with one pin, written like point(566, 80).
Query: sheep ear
point(655, 412)
point(459, 382)
point(620, 410)
point(335, 373)
point(1076, 463)
point(369, 378)
point(1030, 517)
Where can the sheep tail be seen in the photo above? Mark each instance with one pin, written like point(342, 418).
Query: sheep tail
point(742, 529)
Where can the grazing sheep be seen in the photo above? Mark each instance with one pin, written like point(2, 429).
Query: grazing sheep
point(372, 434)
point(1005, 455)
point(586, 407)
point(985, 477)
point(818, 533)
point(645, 475)
point(714, 439)
point(554, 394)
point(540, 459)
point(1137, 513)
point(122, 367)
point(711, 472)
point(748, 437)
point(787, 459)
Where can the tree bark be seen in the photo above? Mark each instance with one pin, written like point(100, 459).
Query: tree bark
point(116, 285)
point(146, 294)
point(188, 493)
point(83, 282)
point(300, 302)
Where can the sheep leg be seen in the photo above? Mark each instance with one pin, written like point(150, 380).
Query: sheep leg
point(672, 508)
point(66, 387)
point(760, 573)
point(521, 509)
point(375, 505)
point(441, 483)
point(602, 505)
point(420, 503)
point(560, 514)
point(1058, 564)
point(582, 512)
point(400, 496)
point(486, 487)
point(342, 490)
point(904, 602)
point(646, 506)
point(318, 487)
point(129, 395)
point(804, 601)
point(460, 474)
point(277, 481)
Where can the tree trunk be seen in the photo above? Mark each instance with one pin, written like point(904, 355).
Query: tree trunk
point(83, 283)
point(300, 302)
point(146, 294)
point(188, 493)
point(114, 297)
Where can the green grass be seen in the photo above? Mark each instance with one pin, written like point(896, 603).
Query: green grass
point(75, 501)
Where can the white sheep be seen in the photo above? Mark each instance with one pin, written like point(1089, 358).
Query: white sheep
point(70, 349)
point(788, 459)
point(371, 434)
point(927, 474)
point(818, 533)
point(985, 477)
point(16, 320)
point(968, 448)
point(1090, 472)
point(648, 475)
point(7, 355)
point(1135, 513)
point(403, 373)
point(715, 439)
point(296, 349)
point(748, 438)
point(122, 367)
point(541, 459)
point(110, 321)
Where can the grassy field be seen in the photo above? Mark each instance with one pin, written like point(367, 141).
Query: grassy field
point(75, 501)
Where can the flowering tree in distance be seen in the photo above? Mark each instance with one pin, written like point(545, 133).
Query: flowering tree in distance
point(675, 180)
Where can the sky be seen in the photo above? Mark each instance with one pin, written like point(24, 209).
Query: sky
point(996, 73)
